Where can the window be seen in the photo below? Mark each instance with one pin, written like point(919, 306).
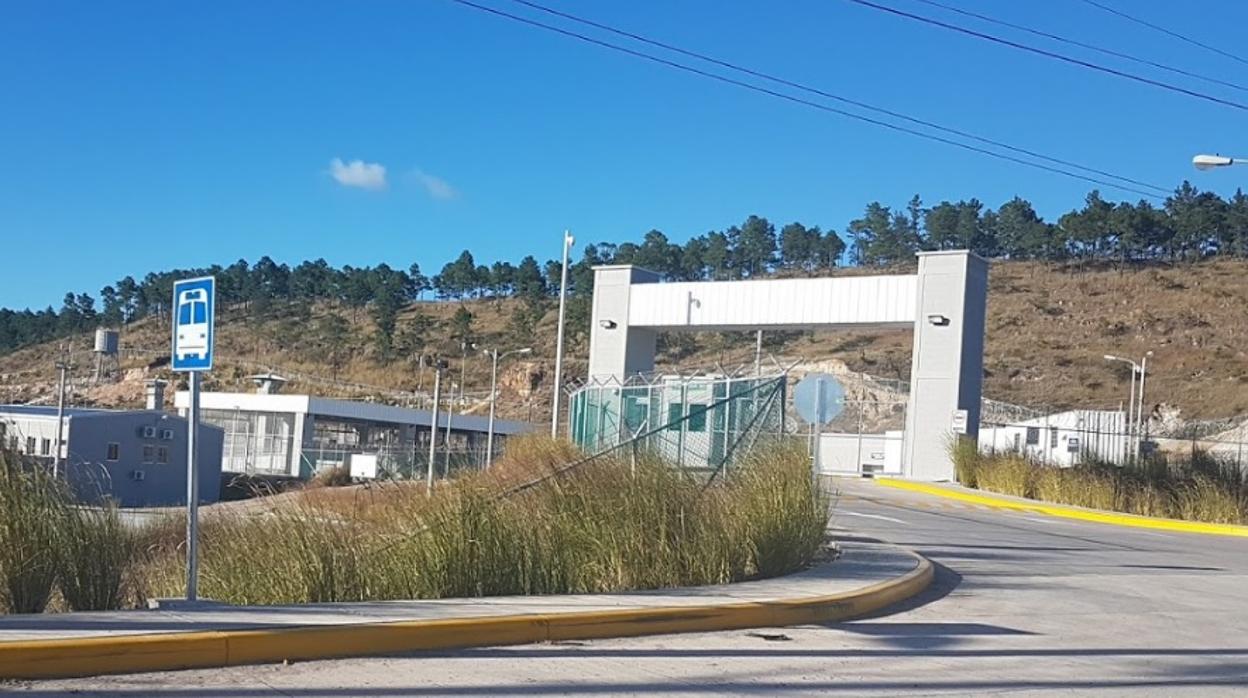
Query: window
point(114, 452)
point(635, 412)
point(674, 412)
point(1052, 438)
point(149, 453)
point(697, 418)
point(14, 444)
point(45, 447)
point(30, 445)
point(162, 455)
point(1033, 436)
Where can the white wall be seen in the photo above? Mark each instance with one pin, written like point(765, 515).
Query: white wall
point(844, 454)
point(708, 305)
point(37, 426)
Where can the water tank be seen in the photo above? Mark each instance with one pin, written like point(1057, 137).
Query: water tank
point(106, 341)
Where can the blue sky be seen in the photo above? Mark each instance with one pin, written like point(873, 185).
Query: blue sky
point(139, 136)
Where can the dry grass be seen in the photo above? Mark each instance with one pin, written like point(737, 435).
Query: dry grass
point(1200, 489)
point(609, 525)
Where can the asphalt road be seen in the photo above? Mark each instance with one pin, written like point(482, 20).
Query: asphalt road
point(1023, 604)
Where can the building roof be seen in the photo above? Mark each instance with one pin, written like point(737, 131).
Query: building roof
point(347, 409)
point(49, 411)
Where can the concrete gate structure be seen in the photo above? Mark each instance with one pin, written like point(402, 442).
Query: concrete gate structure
point(944, 302)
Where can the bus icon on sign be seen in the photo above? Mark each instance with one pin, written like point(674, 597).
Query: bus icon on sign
point(193, 324)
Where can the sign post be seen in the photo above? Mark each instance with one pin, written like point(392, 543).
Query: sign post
point(194, 309)
point(819, 398)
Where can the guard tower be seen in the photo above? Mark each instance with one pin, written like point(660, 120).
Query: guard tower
point(944, 303)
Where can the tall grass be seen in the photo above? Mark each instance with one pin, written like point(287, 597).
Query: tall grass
point(47, 544)
point(1201, 488)
point(94, 554)
point(608, 525)
point(531, 525)
point(32, 508)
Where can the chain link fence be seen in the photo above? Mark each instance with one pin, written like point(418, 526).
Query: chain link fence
point(696, 423)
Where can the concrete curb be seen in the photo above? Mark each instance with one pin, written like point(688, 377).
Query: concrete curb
point(34, 659)
point(1066, 512)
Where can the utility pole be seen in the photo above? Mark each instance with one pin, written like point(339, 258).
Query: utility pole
point(568, 241)
point(758, 355)
point(463, 366)
point(1139, 410)
point(433, 426)
point(446, 443)
point(63, 366)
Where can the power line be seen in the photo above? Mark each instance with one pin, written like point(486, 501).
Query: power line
point(1080, 44)
point(1168, 32)
point(797, 100)
point(845, 100)
point(1051, 54)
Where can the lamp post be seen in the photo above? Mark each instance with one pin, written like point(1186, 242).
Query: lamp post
point(489, 434)
point(568, 241)
point(1139, 410)
point(1210, 162)
point(1130, 425)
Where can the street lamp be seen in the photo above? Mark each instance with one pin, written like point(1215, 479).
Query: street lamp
point(1130, 425)
point(489, 438)
point(1139, 410)
point(568, 241)
point(1209, 162)
point(438, 366)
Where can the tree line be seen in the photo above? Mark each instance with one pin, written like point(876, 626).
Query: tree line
point(1188, 225)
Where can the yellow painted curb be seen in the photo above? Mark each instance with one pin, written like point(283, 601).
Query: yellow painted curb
point(1066, 512)
point(34, 659)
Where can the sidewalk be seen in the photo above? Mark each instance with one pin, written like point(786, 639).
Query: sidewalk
point(863, 579)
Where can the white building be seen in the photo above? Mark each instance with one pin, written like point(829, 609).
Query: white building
point(299, 435)
point(1065, 439)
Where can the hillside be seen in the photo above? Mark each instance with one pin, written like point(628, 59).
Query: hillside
point(1048, 329)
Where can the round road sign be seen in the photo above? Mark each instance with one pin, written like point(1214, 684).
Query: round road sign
point(819, 398)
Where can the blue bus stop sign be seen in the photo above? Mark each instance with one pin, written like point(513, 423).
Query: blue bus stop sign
point(819, 398)
point(194, 305)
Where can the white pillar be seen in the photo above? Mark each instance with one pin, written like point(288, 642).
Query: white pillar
point(947, 367)
point(617, 350)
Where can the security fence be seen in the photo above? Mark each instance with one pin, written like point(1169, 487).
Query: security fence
point(697, 423)
point(1067, 437)
point(398, 462)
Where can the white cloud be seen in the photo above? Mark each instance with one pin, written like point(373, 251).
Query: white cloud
point(357, 173)
point(436, 187)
